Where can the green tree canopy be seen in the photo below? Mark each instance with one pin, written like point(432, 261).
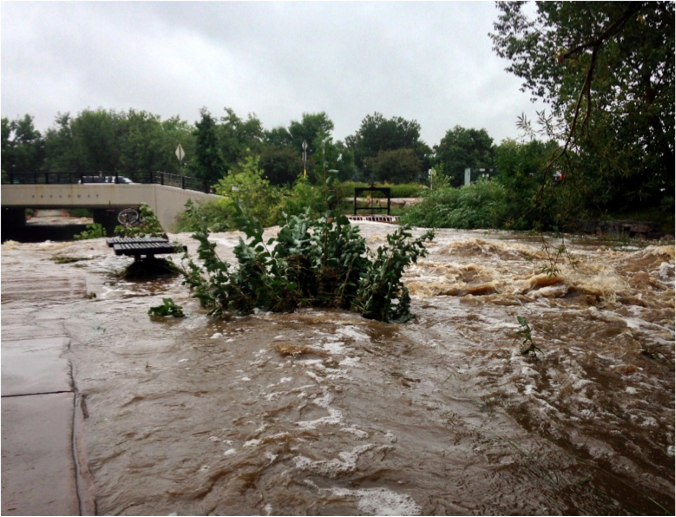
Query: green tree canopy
point(208, 162)
point(377, 134)
point(607, 71)
point(395, 166)
point(281, 164)
point(311, 126)
point(23, 148)
point(238, 138)
point(461, 148)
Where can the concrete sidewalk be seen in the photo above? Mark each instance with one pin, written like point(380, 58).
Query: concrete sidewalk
point(39, 473)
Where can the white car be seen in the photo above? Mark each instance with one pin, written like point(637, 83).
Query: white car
point(121, 180)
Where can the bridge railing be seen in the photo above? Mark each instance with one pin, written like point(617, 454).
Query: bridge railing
point(65, 178)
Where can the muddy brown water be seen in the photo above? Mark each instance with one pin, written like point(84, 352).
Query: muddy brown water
point(327, 413)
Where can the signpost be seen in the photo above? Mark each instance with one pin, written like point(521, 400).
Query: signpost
point(180, 154)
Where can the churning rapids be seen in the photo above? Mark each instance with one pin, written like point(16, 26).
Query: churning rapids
point(327, 413)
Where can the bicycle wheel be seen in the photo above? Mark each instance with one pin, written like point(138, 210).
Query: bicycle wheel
point(127, 217)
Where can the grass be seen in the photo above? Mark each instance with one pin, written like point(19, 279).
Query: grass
point(66, 259)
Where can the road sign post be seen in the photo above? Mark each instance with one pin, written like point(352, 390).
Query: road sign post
point(180, 154)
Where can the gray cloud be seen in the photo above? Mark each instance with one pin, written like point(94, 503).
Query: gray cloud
point(431, 62)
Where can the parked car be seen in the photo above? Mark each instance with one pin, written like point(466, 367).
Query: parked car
point(123, 180)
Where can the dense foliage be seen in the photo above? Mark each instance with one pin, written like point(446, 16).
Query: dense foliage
point(313, 262)
point(607, 71)
point(462, 148)
point(479, 205)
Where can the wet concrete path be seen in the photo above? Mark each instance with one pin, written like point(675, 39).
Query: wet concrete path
point(39, 473)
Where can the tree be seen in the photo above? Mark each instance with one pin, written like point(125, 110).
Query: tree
point(607, 71)
point(239, 138)
point(308, 129)
point(461, 148)
point(378, 134)
point(518, 165)
point(395, 166)
point(279, 137)
point(95, 142)
point(23, 148)
point(281, 164)
point(59, 145)
point(208, 162)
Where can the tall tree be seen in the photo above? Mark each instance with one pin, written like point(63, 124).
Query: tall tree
point(395, 166)
point(281, 164)
point(377, 134)
point(239, 138)
point(607, 71)
point(461, 148)
point(208, 162)
point(95, 141)
point(23, 148)
point(308, 129)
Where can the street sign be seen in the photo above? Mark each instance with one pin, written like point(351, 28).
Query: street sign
point(180, 153)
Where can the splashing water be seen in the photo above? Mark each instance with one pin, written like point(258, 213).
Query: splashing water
point(324, 412)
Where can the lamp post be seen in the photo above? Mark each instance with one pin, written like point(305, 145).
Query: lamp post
point(304, 146)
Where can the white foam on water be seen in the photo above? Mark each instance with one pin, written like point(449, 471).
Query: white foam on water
point(380, 501)
point(349, 361)
point(335, 417)
point(361, 435)
point(351, 333)
point(334, 347)
point(344, 464)
point(390, 437)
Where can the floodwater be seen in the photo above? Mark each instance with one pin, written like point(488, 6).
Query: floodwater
point(327, 413)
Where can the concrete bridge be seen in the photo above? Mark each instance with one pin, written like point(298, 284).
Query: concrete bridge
point(104, 199)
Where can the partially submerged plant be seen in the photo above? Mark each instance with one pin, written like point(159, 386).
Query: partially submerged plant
point(67, 259)
point(168, 308)
point(525, 333)
point(312, 262)
point(93, 231)
point(554, 257)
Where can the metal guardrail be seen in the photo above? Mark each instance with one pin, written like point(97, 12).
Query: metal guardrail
point(72, 178)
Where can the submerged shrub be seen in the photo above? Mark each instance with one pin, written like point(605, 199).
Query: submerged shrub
point(93, 231)
point(168, 308)
point(313, 262)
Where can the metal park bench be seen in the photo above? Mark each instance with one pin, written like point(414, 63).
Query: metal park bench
point(144, 246)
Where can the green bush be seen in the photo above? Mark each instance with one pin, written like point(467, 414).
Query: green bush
point(346, 189)
point(313, 262)
point(248, 188)
point(269, 204)
point(480, 205)
point(93, 231)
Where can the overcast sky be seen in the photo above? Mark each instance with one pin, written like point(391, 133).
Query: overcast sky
point(430, 62)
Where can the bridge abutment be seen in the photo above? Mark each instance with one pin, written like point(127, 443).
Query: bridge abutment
point(13, 222)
